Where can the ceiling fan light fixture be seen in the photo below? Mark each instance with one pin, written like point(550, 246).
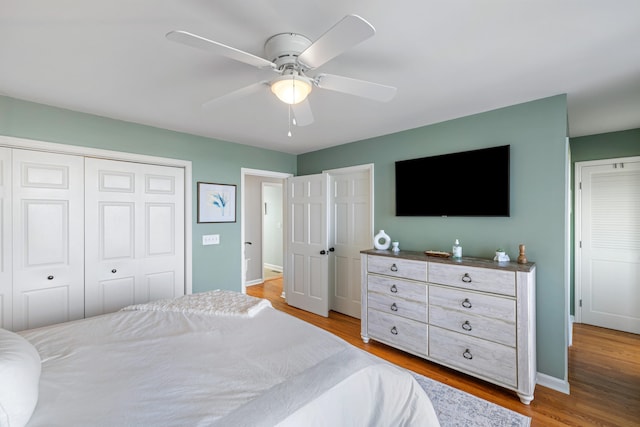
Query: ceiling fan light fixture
point(291, 89)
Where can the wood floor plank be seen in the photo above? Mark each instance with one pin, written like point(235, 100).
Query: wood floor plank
point(604, 371)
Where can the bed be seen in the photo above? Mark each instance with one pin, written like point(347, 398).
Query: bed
point(218, 358)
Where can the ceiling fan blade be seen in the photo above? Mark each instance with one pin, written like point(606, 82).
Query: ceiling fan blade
point(219, 49)
point(302, 113)
point(236, 94)
point(362, 88)
point(347, 33)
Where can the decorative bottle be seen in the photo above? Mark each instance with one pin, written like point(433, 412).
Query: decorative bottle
point(457, 250)
point(384, 244)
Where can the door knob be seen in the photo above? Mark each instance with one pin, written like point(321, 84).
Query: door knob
point(323, 252)
point(332, 249)
point(49, 277)
point(114, 271)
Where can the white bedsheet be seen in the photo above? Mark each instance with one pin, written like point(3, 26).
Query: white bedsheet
point(153, 368)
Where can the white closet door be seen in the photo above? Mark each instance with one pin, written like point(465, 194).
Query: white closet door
point(48, 241)
point(134, 226)
point(6, 269)
point(608, 264)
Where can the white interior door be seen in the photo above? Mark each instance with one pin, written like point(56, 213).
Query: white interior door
point(134, 220)
point(351, 227)
point(608, 264)
point(48, 241)
point(306, 237)
point(6, 268)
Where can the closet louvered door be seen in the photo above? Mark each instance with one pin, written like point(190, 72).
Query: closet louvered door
point(608, 263)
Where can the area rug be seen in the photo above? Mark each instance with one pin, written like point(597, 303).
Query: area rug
point(456, 408)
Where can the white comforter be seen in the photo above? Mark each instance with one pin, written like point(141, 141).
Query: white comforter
point(158, 368)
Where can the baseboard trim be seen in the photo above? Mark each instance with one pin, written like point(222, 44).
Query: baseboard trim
point(273, 267)
point(254, 282)
point(553, 383)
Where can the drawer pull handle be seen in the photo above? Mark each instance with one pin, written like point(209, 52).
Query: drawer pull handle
point(394, 267)
point(49, 277)
point(394, 330)
point(466, 303)
point(394, 307)
point(394, 289)
point(467, 354)
point(466, 278)
point(466, 326)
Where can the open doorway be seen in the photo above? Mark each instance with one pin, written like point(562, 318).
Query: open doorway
point(272, 230)
point(262, 228)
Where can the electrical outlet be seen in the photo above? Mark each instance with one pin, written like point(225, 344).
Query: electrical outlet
point(211, 239)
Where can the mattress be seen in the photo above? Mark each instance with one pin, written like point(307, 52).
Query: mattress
point(176, 368)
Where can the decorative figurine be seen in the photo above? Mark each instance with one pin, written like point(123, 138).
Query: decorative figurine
point(522, 259)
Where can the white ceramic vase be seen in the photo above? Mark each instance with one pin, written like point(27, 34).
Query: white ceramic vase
point(381, 240)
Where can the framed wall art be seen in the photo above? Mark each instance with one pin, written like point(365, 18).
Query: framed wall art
point(216, 202)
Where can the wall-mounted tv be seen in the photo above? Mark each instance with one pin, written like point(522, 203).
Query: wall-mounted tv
point(469, 183)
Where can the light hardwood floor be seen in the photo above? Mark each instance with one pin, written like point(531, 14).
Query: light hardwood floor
point(604, 371)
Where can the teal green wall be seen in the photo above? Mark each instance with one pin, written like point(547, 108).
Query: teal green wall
point(610, 145)
point(536, 132)
point(212, 161)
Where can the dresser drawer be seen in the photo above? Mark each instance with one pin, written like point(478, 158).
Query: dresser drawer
point(398, 288)
point(397, 331)
point(397, 267)
point(473, 355)
point(474, 278)
point(399, 306)
point(474, 326)
point(490, 306)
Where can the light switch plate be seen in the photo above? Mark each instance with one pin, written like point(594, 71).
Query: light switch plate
point(211, 239)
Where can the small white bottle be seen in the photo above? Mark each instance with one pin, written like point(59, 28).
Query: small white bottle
point(457, 250)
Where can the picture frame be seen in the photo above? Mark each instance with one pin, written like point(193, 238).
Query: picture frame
point(216, 202)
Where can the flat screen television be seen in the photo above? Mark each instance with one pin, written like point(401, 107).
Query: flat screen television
point(469, 183)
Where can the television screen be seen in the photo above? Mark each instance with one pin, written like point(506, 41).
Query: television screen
point(470, 183)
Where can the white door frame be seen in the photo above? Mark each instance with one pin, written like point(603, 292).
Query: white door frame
point(52, 147)
point(578, 225)
point(254, 172)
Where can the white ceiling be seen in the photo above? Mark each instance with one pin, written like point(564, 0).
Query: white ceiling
point(447, 58)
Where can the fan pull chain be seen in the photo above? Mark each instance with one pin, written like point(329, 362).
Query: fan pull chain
point(289, 134)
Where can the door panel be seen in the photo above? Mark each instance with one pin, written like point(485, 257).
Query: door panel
point(117, 293)
point(351, 232)
point(46, 234)
point(135, 234)
point(609, 260)
point(48, 240)
point(116, 230)
point(306, 278)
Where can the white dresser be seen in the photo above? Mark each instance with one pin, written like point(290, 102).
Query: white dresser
point(473, 315)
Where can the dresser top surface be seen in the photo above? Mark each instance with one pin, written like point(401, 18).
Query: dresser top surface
point(465, 261)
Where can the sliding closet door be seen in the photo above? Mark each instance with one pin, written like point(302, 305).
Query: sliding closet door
point(48, 241)
point(6, 269)
point(134, 227)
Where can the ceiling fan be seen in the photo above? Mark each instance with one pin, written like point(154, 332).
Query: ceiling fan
point(292, 56)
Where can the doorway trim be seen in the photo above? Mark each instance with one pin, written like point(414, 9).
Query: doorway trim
point(577, 288)
point(253, 172)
